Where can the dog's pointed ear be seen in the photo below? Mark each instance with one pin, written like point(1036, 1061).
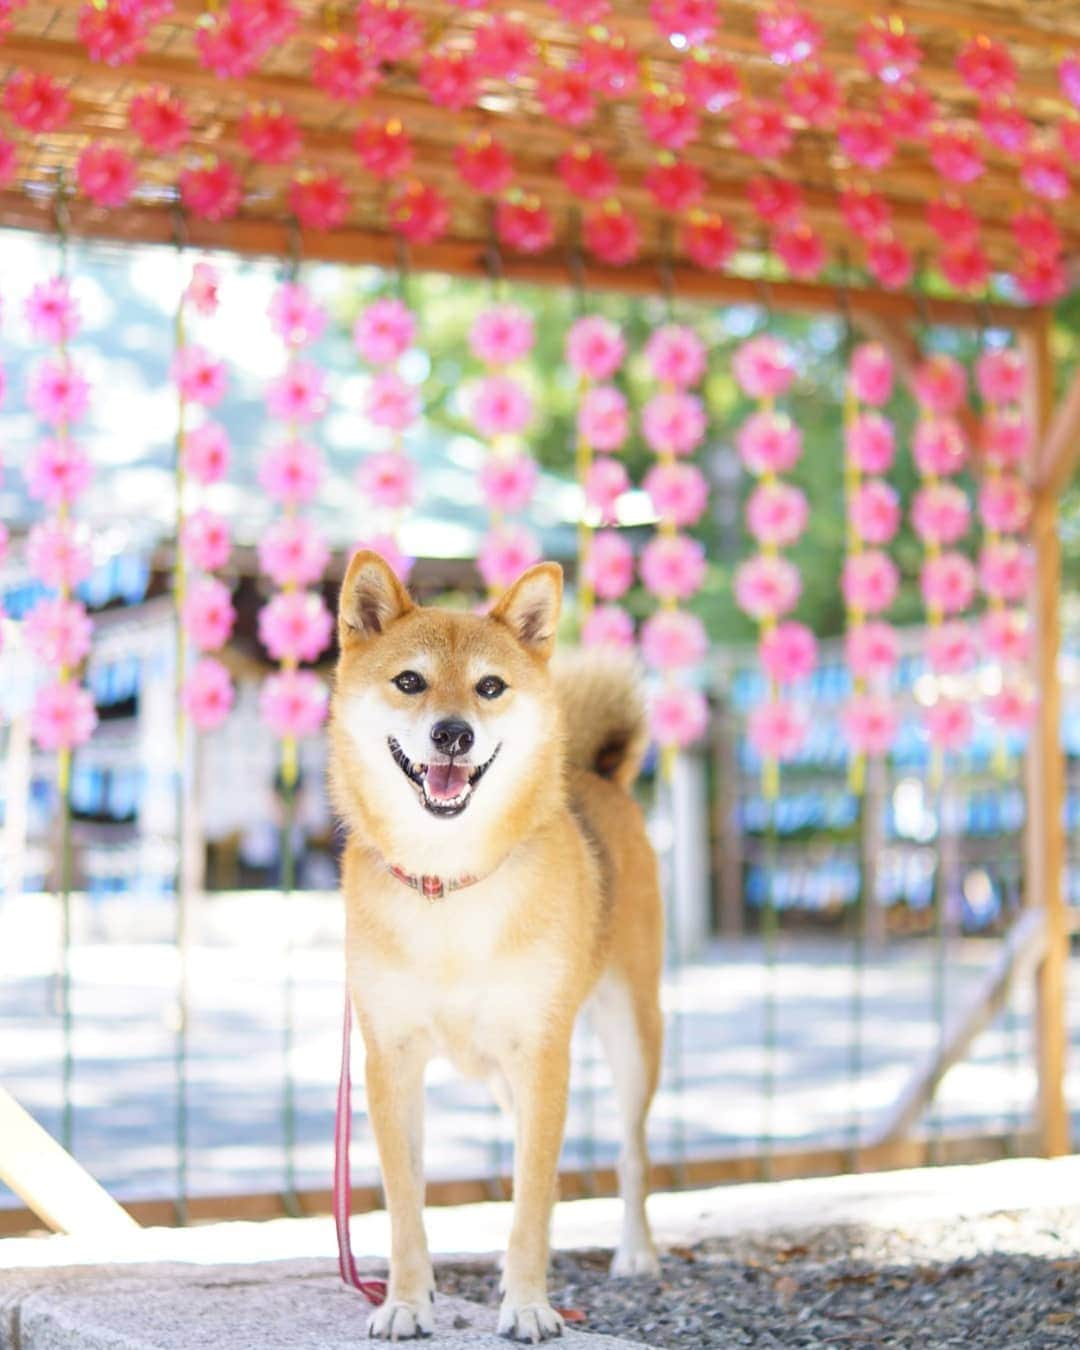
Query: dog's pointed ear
point(371, 599)
point(530, 608)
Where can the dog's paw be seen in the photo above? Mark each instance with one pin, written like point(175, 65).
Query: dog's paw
point(529, 1322)
point(637, 1260)
point(402, 1320)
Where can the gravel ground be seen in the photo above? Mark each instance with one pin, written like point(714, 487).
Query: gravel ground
point(1000, 1282)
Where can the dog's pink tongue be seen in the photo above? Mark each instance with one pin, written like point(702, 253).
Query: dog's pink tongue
point(446, 781)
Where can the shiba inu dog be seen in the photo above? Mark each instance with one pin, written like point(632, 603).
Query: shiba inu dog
point(497, 875)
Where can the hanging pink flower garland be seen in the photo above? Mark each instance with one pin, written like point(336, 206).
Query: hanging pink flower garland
point(294, 625)
point(768, 585)
point(382, 335)
point(1006, 565)
point(58, 628)
point(870, 578)
point(672, 566)
point(941, 517)
point(203, 540)
point(595, 349)
point(501, 409)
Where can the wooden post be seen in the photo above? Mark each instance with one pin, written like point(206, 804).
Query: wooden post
point(1045, 852)
point(727, 840)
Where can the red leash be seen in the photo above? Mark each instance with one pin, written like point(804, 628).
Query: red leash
point(373, 1290)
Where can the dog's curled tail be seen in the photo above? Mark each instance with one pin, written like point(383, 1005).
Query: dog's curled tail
point(603, 706)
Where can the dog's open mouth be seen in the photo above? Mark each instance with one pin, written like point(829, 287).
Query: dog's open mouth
point(446, 785)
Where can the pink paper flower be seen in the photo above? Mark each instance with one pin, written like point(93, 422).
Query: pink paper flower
point(113, 31)
point(159, 119)
point(57, 393)
point(384, 146)
point(200, 378)
point(801, 249)
point(386, 546)
point(36, 102)
point(673, 640)
point(777, 514)
point(292, 552)
point(608, 626)
point(708, 240)
point(295, 316)
point(949, 724)
point(872, 649)
point(1044, 174)
point(1004, 125)
point(208, 614)
point(870, 582)
point(767, 587)
point(966, 267)
point(384, 332)
point(769, 442)
point(676, 356)
point(952, 220)
point(788, 34)
point(567, 97)
point(605, 483)
point(51, 312)
point(692, 22)
point(871, 374)
point(293, 703)
point(1005, 504)
point(450, 77)
point(1007, 635)
point(612, 235)
point(9, 161)
point(206, 453)
point(1006, 570)
point(319, 200)
point(986, 66)
point(290, 473)
point(387, 478)
point(298, 394)
point(208, 694)
point(813, 93)
point(391, 32)
point(777, 730)
point(500, 406)
point(603, 419)
point(764, 367)
point(866, 140)
point(1013, 708)
point(939, 447)
point(1001, 375)
point(392, 402)
point(675, 185)
point(761, 129)
point(679, 492)
point(343, 69)
point(485, 165)
point(295, 626)
point(875, 511)
point(669, 119)
point(595, 347)
point(870, 441)
point(58, 632)
point(269, 134)
point(105, 174)
point(213, 192)
point(588, 173)
point(525, 226)
point(419, 213)
point(508, 482)
point(788, 652)
point(502, 335)
point(1069, 77)
point(62, 717)
point(955, 155)
point(611, 63)
point(947, 583)
point(870, 724)
point(58, 554)
point(673, 423)
point(940, 513)
point(506, 552)
point(775, 200)
point(1037, 233)
point(940, 384)
point(57, 472)
point(206, 541)
point(609, 565)
point(673, 566)
point(888, 50)
point(951, 648)
point(679, 716)
point(505, 48)
point(889, 261)
point(203, 289)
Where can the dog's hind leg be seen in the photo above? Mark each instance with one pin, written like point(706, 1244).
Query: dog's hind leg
point(630, 1026)
point(395, 1093)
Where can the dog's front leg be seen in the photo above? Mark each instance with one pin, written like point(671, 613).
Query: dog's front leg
point(538, 1078)
point(395, 1093)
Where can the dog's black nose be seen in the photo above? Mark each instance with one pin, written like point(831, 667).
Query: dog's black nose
point(452, 736)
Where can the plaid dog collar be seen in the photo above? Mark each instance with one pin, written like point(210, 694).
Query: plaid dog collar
point(431, 888)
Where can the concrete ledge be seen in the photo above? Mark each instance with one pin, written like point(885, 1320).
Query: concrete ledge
point(284, 1305)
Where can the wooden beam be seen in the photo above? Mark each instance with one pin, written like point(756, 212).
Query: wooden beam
point(62, 1195)
point(732, 1168)
point(1024, 948)
point(1059, 453)
point(1045, 842)
point(354, 247)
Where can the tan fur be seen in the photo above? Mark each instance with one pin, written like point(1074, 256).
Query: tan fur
point(604, 712)
point(493, 975)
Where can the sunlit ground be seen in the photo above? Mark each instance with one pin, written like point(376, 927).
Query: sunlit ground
point(714, 1098)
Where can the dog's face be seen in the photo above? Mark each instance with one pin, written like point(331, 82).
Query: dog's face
point(443, 721)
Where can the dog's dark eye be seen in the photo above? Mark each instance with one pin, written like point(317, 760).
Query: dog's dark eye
point(409, 682)
point(490, 686)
